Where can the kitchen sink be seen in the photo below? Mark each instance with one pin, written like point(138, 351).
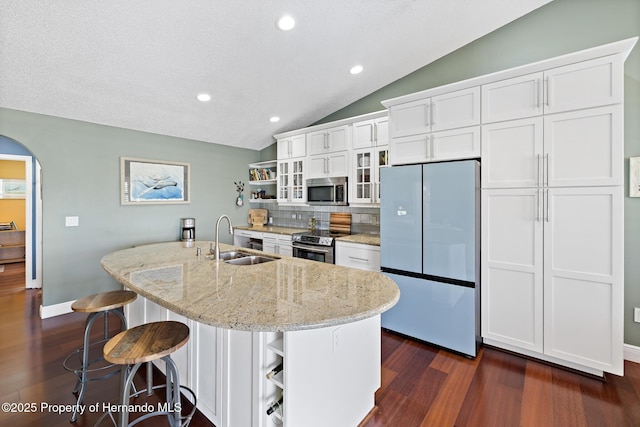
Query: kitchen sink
point(243, 258)
point(225, 256)
point(250, 260)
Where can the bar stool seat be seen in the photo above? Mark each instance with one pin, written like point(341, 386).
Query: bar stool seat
point(79, 362)
point(146, 343)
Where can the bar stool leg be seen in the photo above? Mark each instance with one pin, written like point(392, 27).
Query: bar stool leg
point(83, 379)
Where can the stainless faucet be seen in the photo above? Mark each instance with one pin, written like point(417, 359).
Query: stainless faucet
point(217, 249)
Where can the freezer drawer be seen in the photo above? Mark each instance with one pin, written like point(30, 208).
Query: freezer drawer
point(439, 313)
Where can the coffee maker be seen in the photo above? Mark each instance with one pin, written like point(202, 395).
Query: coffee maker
point(188, 230)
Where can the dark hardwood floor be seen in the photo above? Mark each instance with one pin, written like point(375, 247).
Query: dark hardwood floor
point(421, 385)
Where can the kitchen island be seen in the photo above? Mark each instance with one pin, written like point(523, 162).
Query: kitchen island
point(320, 321)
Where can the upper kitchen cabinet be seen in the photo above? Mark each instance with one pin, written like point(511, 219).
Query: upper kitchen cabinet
point(435, 113)
point(571, 87)
point(292, 146)
point(329, 165)
point(365, 174)
point(329, 152)
point(575, 148)
point(291, 181)
point(371, 133)
point(329, 140)
point(438, 127)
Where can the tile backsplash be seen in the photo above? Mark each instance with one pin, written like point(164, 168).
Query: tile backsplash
point(363, 220)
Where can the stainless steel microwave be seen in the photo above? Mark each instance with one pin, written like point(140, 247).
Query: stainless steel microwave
point(327, 191)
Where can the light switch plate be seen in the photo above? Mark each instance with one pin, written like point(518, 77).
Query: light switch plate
point(636, 315)
point(71, 221)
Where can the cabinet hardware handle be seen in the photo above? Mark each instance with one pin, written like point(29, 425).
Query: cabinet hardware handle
point(359, 259)
point(548, 91)
point(537, 207)
point(375, 134)
point(432, 112)
point(547, 197)
point(547, 169)
point(538, 94)
point(539, 171)
point(432, 148)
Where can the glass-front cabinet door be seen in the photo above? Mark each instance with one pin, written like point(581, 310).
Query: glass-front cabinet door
point(366, 178)
point(283, 181)
point(291, 181)
point(298, 193)
point(363, 183)
point(382, 161)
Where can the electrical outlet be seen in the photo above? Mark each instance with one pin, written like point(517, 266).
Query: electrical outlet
point(71, 221)
point(636, 315)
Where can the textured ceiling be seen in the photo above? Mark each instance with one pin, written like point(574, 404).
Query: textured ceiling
point(140, 64)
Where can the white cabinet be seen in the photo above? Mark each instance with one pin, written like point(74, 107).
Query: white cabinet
point(371, 133)
point(511, 260)
point(552, 273)
point(365, 174)
point(292, 146)
point(329, 165)
point(442, 127)
point(199, 362)
point(291, 181)
point(441, 112)
point(552, 214)
point(576, 86)
point(329, 140)
point(583, 276)
point(576, 148)
point(247, 238)
point(512, 153)
point(206, 370)
point(279, 244)
point(453, 144)
point(356, 255)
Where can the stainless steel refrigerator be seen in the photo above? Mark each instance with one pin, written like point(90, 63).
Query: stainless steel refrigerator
point(430, 246)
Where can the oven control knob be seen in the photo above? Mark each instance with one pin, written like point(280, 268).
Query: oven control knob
point(325, 241)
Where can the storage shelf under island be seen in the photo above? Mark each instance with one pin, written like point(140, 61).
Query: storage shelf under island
point(321, 321)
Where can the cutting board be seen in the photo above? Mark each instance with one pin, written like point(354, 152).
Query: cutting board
point(258, 217)
point(340, 223)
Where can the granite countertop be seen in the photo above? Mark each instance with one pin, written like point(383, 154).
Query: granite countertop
point(271, 229)
point(364, 239)
point(283, 295)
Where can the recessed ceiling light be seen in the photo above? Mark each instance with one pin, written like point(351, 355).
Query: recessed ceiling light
point(203, 97)
point(274, 119)
point(357, 69)
point(286, 23)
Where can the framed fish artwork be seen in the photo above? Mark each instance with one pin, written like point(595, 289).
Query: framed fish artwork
point(153, 182)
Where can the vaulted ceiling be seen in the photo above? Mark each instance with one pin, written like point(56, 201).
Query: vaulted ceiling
point(139, 64)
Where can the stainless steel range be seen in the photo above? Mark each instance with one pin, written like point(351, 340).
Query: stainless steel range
point(318, 245)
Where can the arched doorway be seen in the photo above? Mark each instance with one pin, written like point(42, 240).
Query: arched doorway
point(13, 151)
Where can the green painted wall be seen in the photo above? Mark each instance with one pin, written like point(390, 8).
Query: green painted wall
point(81, 176)
point(560, 27)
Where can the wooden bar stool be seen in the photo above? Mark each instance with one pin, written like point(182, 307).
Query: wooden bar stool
point(79, 362)
point(143, 344)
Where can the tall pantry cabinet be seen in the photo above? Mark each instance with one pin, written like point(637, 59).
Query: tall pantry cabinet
point(552, 214)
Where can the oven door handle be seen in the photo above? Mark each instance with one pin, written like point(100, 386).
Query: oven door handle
point(311, 248)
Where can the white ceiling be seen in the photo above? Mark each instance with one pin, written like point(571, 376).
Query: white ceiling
point(139, 64)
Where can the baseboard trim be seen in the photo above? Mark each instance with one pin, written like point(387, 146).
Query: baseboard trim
point(632, 353)
point(55, 310)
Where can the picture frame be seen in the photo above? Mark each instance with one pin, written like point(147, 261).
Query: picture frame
point(152, 182)
point(13, 188)
point(634, 176)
